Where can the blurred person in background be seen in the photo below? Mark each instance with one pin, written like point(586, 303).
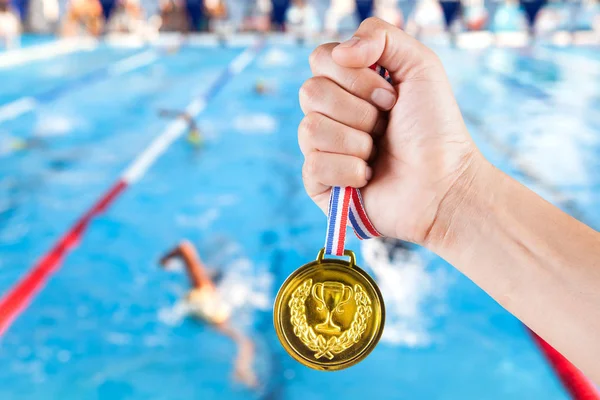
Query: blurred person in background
point(43, 16)
point(173, 16)
point(407, 8)
point(233, 20)
point(340, 16)
point(83, 17)
point(388, 11)
point(257, 16)
point(302, 20)
point(126, 17)
point(428, 18)
point(364, 9)
point(205, 303)
point(475, 15)
point(532, 9)
point(553, 21)
point(10, 27)
point(216, 12)
point(594, 6)
point(508, 18)
point(585, 19)
point(491, 6)
point(278, 14)
point(197, 19)
point(452, 10)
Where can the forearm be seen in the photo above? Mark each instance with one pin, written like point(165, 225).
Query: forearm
point(538, 262)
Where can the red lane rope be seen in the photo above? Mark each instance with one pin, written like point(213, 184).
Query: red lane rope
point(574, 381)
point(20, 295)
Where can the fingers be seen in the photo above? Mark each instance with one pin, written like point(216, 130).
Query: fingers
point(323, 96)
point(377, 42)
point(323, 170)
point(320, 133)
point(361, 82)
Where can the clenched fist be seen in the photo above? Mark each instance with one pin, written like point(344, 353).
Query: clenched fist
point(405, 145)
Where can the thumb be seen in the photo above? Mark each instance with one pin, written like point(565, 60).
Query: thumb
point(377, 42)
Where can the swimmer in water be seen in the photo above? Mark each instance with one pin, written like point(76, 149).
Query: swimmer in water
point(207, 305)
point(261, 87)
point(17, 144)
point(194, 137)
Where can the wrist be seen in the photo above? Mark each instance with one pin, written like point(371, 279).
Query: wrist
point(464, 207)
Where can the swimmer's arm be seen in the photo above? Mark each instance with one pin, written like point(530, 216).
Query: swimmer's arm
point(176, 252)
point(538, 262)
point(245, 358)
point(196, 271)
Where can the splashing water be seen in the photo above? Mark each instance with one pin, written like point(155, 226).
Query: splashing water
point(255, 124)
point(243, 289)
point(276, 58)
point(54, 125)
point(409, 290)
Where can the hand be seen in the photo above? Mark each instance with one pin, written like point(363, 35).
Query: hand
point(405, 145)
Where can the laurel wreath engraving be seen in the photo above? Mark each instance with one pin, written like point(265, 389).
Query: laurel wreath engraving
point(335, 344)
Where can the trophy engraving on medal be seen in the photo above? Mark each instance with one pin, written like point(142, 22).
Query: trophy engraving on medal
point(331, 296)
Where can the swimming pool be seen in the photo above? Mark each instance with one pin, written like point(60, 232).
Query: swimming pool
point(104, 327)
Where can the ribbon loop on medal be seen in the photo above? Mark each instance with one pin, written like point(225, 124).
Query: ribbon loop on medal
point(345, 204)
point(347, 253)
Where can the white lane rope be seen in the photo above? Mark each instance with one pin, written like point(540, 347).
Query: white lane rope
point(45, 51)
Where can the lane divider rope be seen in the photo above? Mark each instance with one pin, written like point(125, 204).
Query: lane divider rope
point(44, 51)
point(15, 300)
point(573, 380)
point(25, 104)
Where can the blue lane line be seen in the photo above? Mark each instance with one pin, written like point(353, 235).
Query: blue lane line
point(83, 80)
point(528, 88)
point(73, 84)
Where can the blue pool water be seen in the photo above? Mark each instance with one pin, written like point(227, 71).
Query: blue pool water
point(105, 328)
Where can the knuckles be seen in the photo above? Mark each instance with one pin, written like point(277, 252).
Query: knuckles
point(310, 92)
point(320, 55)
point(312, 164)
point(373, 24)
point(309, 128)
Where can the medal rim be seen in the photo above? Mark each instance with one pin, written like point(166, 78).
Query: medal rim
point(321, 262)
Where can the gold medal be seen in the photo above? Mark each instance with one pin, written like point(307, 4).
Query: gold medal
point(329, 314)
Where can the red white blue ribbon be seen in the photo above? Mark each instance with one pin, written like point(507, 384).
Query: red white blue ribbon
point(382, 72)
point(345, 203)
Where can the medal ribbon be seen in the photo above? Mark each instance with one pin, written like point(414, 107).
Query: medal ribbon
point(345, 203)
